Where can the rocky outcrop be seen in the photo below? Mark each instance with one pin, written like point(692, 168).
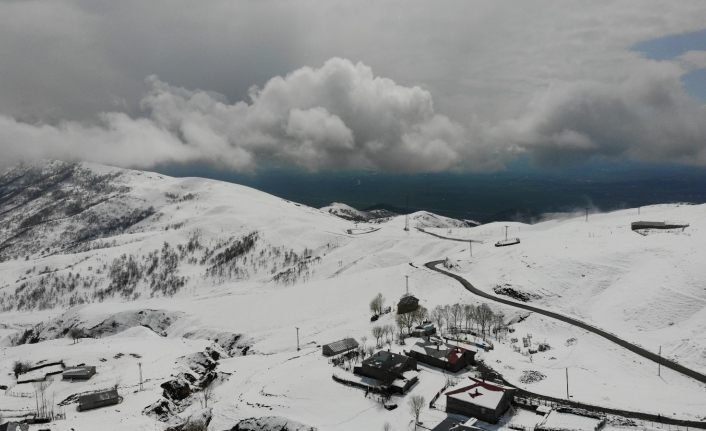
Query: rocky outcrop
point(270, 423)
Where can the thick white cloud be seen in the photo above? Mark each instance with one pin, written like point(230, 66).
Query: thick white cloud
point(506, 78)
point(339, 115)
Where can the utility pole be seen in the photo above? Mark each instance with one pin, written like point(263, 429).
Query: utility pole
point(139, 364)
point(567, 383)
point(406, 216)
point(297, 338)
point(406, 283)
point(659, 366)
point(470, 248)
point(506, 233)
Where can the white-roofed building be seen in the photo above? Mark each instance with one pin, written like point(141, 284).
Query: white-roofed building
point(479, 399)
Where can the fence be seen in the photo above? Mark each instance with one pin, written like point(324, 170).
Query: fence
point(438, 394)
point(530, 399)
point(382, 390)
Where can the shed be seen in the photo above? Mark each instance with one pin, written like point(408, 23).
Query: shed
point(95, 400)
point(407, 304)
point(83, 372)
point(638, 225)
point(423, 330)
point(338, 347)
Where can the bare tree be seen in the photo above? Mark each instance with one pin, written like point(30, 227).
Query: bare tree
point(20, 367)
point(468, 315)
point(45, 409)
point(498, 323)
point(76, 334)
point(420, 315)
point(378, 332)
point(446, 312)
point(437, 315)
point(416, 403)
point(485, 316)
point(389, 334)
point(377, 304)
point(456, 313)
point(206, 394)
point(406, 321)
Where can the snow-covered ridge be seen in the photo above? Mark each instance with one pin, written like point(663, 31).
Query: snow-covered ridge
point(347, 212)
point(221, 267)
point(75, 233)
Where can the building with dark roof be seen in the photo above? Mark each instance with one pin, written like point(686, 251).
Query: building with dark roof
point(14, 426)
point(82, 372)
point(638, 225)
point(441, 355)
point(479, 399)
point(95, 400)
point(339, 347)
point(399, 372)
point(407, 304)
point(423, 330)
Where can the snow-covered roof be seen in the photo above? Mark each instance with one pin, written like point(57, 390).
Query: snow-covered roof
point(478, 392)
point(439, 350)
point(40, 373)
point(341, 346)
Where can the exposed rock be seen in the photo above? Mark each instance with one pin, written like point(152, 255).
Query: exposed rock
point(270, 423)
point(507, 290)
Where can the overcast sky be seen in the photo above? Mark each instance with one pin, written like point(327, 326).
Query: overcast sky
point(395, 86)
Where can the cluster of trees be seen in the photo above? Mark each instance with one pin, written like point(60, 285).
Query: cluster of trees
point(49, 289)
point(383, 334)
point(479, 319)
point(409, 320)
point(377, 304)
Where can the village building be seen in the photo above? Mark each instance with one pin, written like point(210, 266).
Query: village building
point(438, 354)
point(14, 426)
point(407, 304)
point(639, 225)
point(339, 347)
point(479, 399)
point(95, 400)
point(398, 372)
point(82, 372)
point(423, 330)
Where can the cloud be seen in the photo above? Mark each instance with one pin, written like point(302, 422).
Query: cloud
point(506, 78)
point(647, 117)
point(339, 115)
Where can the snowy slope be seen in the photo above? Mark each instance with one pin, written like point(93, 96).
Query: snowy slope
point(242, 269)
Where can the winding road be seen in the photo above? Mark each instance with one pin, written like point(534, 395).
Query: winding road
point(570, 320)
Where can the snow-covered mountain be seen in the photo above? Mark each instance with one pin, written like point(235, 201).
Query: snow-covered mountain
point(199, 281)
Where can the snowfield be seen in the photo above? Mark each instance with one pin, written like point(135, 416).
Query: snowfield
point(191, 265)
